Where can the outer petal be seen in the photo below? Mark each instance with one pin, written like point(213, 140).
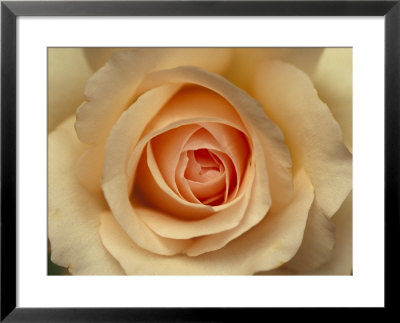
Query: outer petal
point(113, 88)
point(245, 62)
point(98, 57)
point(333, 79)
point(68, 72)
point(313, 135)
point(74, 214)
point(274, 241)
point(317, 245)
point(340, 262)
point(89, 169)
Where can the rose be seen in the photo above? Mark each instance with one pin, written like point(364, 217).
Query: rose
point(247, 230)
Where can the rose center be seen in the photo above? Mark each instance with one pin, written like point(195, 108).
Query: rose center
point(201, 162)
point(203, 166)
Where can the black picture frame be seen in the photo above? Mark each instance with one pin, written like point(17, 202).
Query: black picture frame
point(11, 10)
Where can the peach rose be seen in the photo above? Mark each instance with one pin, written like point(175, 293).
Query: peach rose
point(200, 161)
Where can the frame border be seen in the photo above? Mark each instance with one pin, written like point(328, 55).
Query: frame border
point(10, 10)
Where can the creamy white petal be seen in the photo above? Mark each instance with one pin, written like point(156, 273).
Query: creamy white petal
point(74, 213)
point(97, 57)
point(341, 261)
point(245, 62)
point(312, 134)
point(341, 258)
point(68, 72)
point(334, 82)
point(89, 168)
point(317, 245)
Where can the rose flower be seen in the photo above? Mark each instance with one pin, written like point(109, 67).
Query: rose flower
point(200, 161)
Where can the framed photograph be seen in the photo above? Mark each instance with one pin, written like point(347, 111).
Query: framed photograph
point(197, 157)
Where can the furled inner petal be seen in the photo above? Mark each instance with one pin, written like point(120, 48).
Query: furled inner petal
point(248, 114)
point(206, 177)
point(203, 138)
point(173, 220)
point(181, 182)
point(147, 181)
point(234, 145)
point(231, 189)
point(203, 165)
point(167, 148)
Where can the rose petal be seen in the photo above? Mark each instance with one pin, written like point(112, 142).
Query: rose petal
point(181, 182)
point(317, 245)
point(334, 81)
point(273, 242)
point(167, 149)
point(340, 262)
point(193, 102)
point(208, 190)
point(68, 73)
point(232, 189)
point(203, 138)
point(89, 169)
point(245, 62)
point(234, 144)
point(276, 153)
point(98, 57)
point(155, 191)
point(113, 88)
point(313, 135)
point(74, 214)
point(170, 227)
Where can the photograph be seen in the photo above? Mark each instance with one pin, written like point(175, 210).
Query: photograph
point(200, 160)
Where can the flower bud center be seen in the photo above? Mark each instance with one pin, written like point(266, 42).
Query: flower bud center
point(203, 166)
